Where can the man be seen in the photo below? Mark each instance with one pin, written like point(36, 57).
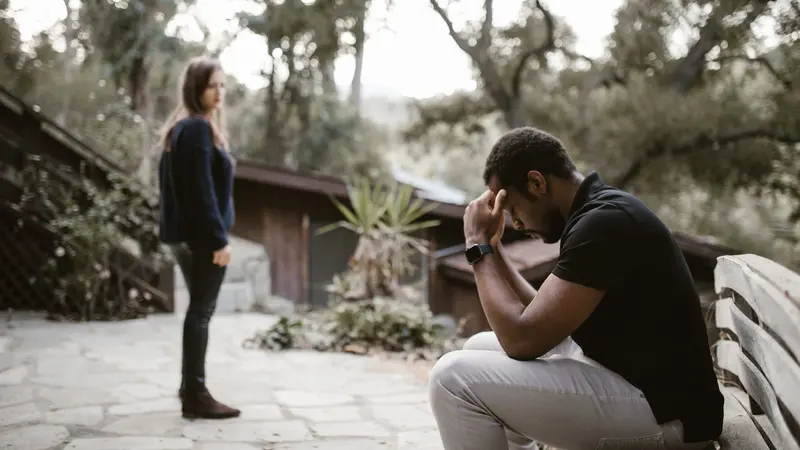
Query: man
point(610, 353)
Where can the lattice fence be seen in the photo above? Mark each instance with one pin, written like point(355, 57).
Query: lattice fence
point(23, 252)
point(26, 247)
point(35, 274)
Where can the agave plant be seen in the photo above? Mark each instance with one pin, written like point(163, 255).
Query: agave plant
point(384, 217)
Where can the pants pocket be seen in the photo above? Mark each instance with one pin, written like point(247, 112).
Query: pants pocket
point(654, 442)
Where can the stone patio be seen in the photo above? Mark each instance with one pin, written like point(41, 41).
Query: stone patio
point(104, 386)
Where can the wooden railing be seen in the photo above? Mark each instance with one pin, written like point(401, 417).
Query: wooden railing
point(31, 143)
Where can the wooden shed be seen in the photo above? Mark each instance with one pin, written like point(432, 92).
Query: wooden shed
point(283, 208)
point(452, 284)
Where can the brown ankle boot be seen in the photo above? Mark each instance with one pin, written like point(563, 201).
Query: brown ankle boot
point(201, 405)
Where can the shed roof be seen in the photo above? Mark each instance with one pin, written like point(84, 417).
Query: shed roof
point(535, 259)
point(531, 257)
point(315, 182)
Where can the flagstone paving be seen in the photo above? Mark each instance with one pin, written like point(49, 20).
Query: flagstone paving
point(112, 386)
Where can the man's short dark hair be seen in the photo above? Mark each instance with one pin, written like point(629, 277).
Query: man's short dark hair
point(524, 149)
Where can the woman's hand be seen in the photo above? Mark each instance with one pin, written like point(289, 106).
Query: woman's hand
point(223, 256)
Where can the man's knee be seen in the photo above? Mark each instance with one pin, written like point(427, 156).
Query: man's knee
point(485, 340)
point(446, 376)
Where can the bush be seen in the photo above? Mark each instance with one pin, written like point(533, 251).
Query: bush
point(368, 308)
point(87, 227)
point(378, 325)
point(388, 324)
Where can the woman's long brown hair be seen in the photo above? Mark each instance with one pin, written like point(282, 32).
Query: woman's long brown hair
point(194, 82)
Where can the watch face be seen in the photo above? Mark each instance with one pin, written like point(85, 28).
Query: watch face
point(473, 253)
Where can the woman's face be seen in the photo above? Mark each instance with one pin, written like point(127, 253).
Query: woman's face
point(214, 93)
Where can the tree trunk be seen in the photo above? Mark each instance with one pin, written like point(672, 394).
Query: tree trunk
point(355, 84)
point(138, 80)
point(273, 139)
point(69, 59)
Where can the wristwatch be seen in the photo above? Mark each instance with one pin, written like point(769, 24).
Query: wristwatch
point(476, 252)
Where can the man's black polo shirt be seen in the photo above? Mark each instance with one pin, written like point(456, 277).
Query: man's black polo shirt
point(648, 327)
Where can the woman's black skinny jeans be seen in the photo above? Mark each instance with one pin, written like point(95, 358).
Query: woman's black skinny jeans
point(203, 279)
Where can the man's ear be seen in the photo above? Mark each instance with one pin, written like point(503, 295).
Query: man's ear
point(537, 185)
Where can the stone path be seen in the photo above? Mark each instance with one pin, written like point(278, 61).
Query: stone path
point(112, 386)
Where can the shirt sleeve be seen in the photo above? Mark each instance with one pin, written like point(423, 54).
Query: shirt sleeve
point(601, 250)
point(196, 137)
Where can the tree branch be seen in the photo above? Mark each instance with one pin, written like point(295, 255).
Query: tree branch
point(460, 41)
point(487, 69)
point(690, 68)
point(702, 141)
point(763, 61)
point(486, 28)
point(606, 78)
point(575, 55)
point(463, 108)
point(548, 44)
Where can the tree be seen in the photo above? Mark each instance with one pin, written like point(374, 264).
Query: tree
point(306, 124)
point(126, 34)
point(719, 114)
point(16, 66)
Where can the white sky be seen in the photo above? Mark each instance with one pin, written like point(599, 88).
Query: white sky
point(400, 44)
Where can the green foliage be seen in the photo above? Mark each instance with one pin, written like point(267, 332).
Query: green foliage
point(389, 324)
point(385, 218)
point(303, 121)
point(368, 310)
point(380, 324)
point(89, 225)
point(16, 67)
point(714, 114)
point(340, 142)
point(283, 335)
point(124, 32)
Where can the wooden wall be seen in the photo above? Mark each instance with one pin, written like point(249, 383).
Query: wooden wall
point(283, 220)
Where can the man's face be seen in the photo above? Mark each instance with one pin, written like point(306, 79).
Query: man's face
point(533, 212)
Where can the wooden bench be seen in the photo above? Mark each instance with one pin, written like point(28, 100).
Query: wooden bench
point(758, 318)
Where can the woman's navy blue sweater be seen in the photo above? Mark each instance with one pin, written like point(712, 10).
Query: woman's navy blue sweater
point(196, 194)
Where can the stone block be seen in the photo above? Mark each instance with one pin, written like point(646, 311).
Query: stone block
point(350, 429)
point(86, 416)
point(34, 437)
point(130, 443)
point(303, 398)
point(231, 431)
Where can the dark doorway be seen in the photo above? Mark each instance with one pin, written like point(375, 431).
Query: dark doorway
point(329, 254)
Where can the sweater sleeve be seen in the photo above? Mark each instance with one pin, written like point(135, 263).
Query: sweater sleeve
point(202, 199)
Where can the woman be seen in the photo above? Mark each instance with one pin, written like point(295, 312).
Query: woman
point(196, 179)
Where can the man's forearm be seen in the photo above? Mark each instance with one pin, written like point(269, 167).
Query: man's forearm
point(521, 287)
point(498, 299)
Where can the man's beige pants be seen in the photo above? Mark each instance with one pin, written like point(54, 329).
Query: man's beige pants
point(484, 400)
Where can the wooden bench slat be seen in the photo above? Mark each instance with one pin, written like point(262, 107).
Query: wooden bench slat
point(787, 281)
point(772, 306)
point(731, 358)
point(739, 432)
point(778, 366)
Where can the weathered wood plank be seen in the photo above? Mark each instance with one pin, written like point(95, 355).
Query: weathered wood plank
point(731, 358)
point(787, 281)
point(11, 103)
point(778, 366)
point(772, 306)
point(10, 154)
point(739, 432)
